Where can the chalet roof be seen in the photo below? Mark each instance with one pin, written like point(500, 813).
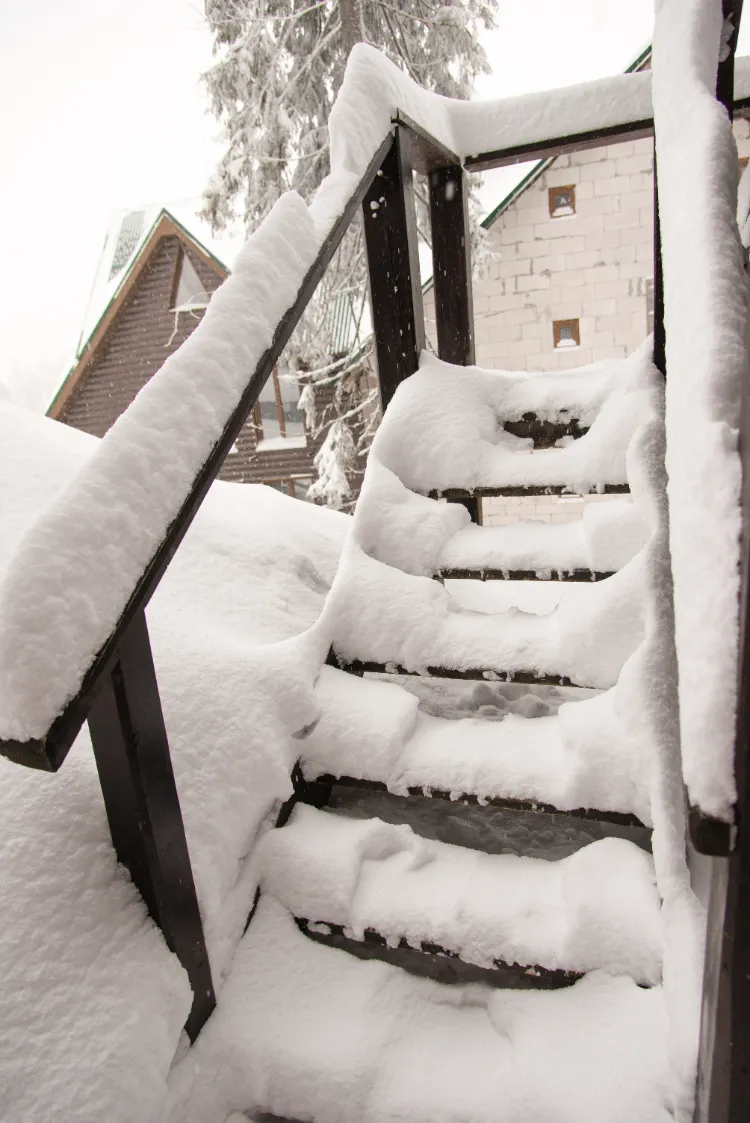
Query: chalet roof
point(127, 234)
point(130, 239)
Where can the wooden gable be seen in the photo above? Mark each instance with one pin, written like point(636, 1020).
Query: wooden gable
point(138, 331)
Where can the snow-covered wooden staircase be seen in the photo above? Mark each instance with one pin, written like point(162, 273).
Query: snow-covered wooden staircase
point(513, 854)
point(475, 903)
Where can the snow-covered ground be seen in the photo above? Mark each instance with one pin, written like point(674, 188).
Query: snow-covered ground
point(92, 1003)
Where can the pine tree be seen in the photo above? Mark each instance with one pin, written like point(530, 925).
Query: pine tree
point(279, 66)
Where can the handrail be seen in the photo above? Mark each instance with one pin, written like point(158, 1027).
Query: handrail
point(49, 752)
point(118, 694)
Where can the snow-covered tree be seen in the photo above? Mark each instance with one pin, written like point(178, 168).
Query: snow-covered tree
point(279, 65)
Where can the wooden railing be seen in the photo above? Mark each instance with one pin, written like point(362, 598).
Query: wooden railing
point(119, 695)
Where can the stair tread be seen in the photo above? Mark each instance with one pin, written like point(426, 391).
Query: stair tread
point(432, 961)
point(373, 731)
point(597, 909)
point(487, 573)
point(335, 1040)
point(498, 490)
point(382, 615)
point(587, 545)
point(444, 428)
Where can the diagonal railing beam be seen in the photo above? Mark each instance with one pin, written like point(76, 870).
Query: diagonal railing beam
point(49, 752)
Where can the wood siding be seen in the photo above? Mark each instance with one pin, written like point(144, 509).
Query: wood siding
point(145, 333)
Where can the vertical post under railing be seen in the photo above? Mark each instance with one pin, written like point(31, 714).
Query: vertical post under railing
point(451, 276)
point(135, 771)
point(660, 335)
point(723, 1086)
point(451, 265)
point(393, 265)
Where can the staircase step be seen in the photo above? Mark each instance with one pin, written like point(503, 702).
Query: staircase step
point(434, 962)
point(575, 761)
point(523, 575)
point(597, 909)
point(388, 621)
point(520, 490)
point(591, 548)
point(365, 667)
point(327, 781)
point(310, 1033)
point(493, 830)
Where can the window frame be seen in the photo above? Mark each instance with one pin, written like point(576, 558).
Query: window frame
point(290, 481)
point(557, 326)
point(258, 420)
point(552, 192)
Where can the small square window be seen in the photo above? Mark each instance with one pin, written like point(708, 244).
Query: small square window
point(566, 333)
point(562, 201)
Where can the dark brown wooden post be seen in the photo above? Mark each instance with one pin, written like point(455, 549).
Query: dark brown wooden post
point(135, 770)
point(723, 1089)
point(393, 264)
point(660, 336)
point(451, 276)
point(451, 265)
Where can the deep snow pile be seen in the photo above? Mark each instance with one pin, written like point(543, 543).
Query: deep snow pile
point(92, 1003)
point(705, 313)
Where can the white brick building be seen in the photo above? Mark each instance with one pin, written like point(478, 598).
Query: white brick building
point(571, 278)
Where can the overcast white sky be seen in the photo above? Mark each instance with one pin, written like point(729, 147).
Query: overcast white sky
point(103, 109)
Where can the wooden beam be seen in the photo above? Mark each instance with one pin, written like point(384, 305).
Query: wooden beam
point(558, 146)
point(451, 265)
point(135, 771)
point(723, 1083)
point(393, 265)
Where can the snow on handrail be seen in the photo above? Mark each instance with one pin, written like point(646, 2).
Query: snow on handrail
point(374, 88)
point(705, 316)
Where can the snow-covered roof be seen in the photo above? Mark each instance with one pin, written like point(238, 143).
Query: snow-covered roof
point(128, 232)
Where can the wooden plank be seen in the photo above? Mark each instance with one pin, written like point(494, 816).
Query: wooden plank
point(327, 782)
point(48, 752)
point(451, 265)
point(723, 1086)
point(365, 667)
point(660, 335)
point(143, 808)
point(551, 147)
point(522, 490)
point(393, 265)
point(559, 146)
point(436, 962)
point(583, 575)
point(427, 153)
